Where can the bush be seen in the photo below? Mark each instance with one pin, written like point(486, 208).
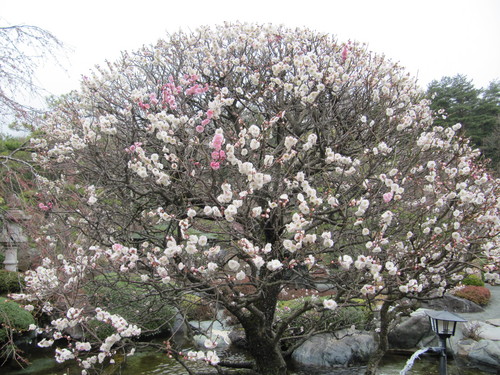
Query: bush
point(137, 303)
point(2, 259)
point(477, 294)
point(10, 282)
point(196, 308)
point(473, 280)
point(12, 315)
point(328, 320)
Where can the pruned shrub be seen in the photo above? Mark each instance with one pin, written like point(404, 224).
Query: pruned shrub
point(10, 281)
point(473, 280)
point(13, 317)
point(138, 303)
point(477, 294)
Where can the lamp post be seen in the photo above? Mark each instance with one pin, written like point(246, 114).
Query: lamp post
point(443, 323)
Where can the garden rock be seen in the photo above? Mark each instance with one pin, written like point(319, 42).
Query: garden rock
point(333, 349)
point(212, 330)
point(488, 331)
point(453, 304)
point(410, 332)
point(494, 322)
point(179, 327)
point(483, 354)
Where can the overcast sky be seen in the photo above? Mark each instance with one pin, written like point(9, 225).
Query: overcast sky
point(431, 38)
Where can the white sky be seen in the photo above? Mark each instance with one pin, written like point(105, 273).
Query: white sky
point(431, 38)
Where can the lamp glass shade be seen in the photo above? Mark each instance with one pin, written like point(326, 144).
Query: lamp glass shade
point(444, 323)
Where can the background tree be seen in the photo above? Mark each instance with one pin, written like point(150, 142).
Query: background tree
point(23, 49)
point(232, 162)
point(478, 110)
point(490, 108)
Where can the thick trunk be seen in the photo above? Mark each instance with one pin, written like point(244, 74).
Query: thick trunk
point(267, 354)
point(383, 343)
point(261, 337)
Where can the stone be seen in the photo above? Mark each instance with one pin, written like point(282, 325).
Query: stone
point(179, 327)
point(489, 331)
point(483, 354)
point(327, 350)
point(212, 330)
point(494, 322)
point(452, 304)
point(410, 332)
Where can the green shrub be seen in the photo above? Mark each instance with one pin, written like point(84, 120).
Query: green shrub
point(10, 281)
point(473, 280)
point(328, 320)
point(137, 303)
point(12, 315)
point(477, 294)
point(101, 329)
point(2, 259)
point(196, 308)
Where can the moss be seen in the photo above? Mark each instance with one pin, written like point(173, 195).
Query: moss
point(473, 280)
point(12, 315)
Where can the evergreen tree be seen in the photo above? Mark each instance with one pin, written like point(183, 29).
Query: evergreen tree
point(478, 110)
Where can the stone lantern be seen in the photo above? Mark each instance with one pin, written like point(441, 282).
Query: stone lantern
point(12, 236)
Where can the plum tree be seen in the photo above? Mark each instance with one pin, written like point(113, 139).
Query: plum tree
point(234, 163)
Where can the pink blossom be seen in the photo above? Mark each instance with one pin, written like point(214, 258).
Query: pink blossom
point(196, 89)
point(200, 128)
point(387, 197)
point(45, 207)
point(210, 114)
point(217, 141)
point(117, 247)
point(153, 99)
point(205, 122)
point(344, 53)
point(215, 165)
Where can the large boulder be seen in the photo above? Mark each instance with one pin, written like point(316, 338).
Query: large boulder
point(330, 349)
point(482, 354)
point(452, 304)
point(411, 333)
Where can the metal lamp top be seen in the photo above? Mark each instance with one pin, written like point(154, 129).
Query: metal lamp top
point(444, 315)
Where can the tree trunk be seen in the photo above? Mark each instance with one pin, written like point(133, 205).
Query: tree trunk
point(267, 354)
point(263, 344)
point(382, 341)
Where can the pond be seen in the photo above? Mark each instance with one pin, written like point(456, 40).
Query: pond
point(42, 363)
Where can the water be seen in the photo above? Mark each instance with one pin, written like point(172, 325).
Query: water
point(160, 364)
point(411, 361)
